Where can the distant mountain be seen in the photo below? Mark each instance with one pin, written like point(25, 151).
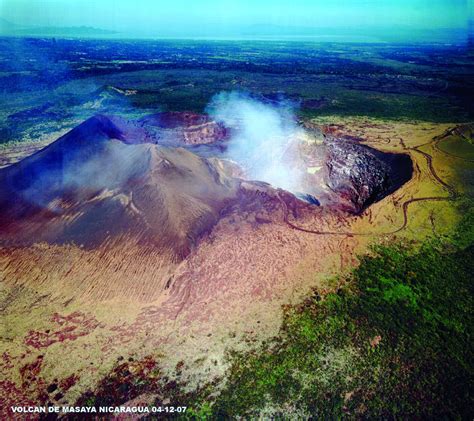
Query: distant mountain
point(11, 29)
point(373, 33)
point(6, 26)
point(368, 34)
point(365, 34)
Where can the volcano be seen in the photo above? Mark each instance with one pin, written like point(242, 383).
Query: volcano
point(110, 180)
point(126, 236)
point(107, 181)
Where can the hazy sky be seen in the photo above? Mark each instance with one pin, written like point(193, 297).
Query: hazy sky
point(194, 16)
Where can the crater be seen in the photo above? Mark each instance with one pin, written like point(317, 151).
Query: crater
point(358, 175)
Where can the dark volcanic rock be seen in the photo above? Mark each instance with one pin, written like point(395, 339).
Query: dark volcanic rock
point(357, 176)
point(186, 128)
point(308, 198)
point(360, 175)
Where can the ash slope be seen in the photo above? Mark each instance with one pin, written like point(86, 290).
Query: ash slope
point(104, 181)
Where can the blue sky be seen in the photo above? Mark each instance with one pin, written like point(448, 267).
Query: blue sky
point(148, 17)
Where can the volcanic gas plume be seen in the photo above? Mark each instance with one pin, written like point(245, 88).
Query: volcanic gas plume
point(262, 137)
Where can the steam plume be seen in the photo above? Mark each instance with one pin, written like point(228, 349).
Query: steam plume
point(262, 135)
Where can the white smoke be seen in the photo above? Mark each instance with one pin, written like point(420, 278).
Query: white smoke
point(262, 135)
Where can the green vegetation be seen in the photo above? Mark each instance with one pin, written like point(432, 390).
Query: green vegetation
point(458, 146)
point(394, 339)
